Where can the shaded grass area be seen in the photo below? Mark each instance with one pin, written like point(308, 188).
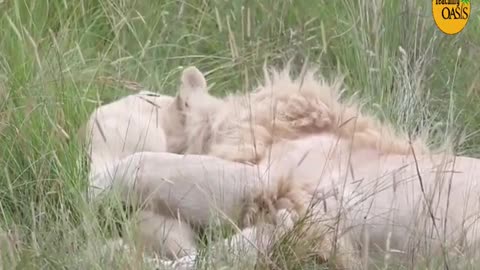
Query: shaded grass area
point(52, 53)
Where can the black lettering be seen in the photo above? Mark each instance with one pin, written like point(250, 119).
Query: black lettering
point(465, 12)
point(448, 13)
point(457, 14)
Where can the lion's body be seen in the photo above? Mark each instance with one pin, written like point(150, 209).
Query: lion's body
point(385, 196)
point(135, 123)
point(310, 152)
point(242, 127)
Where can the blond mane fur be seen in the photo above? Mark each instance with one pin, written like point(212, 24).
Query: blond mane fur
point(242, 127)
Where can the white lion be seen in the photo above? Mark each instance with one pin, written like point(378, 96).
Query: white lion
point(141, 122)
point(242, 127)
point(116, 147)
point(401, 194)
point(399, 202)
point(130, 134)
point(314, 154)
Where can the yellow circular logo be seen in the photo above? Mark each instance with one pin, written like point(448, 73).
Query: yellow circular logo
point(451, 16)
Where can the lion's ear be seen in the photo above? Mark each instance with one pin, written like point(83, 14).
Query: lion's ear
point(193, 80)
point(192, 83)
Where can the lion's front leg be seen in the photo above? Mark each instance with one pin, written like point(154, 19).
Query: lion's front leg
point(243, 153)
point(165, 236)
point(301, 224)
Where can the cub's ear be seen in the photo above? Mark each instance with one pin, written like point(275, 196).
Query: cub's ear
point(193, 80)
point(192, 83)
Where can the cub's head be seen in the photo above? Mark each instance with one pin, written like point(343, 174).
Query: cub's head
point(193, 96)
point(198, 109)
point(184, 109)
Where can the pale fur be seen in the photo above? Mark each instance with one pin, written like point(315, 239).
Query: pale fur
point(339, 188)
point(145, 121)
point(199, 189)
point(165, 235)
point(120, 132)
point(383, 194)
point(304, 172)
point(135, 123)
point(241, 127)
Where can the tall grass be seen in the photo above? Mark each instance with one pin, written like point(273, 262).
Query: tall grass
point(52, 53)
